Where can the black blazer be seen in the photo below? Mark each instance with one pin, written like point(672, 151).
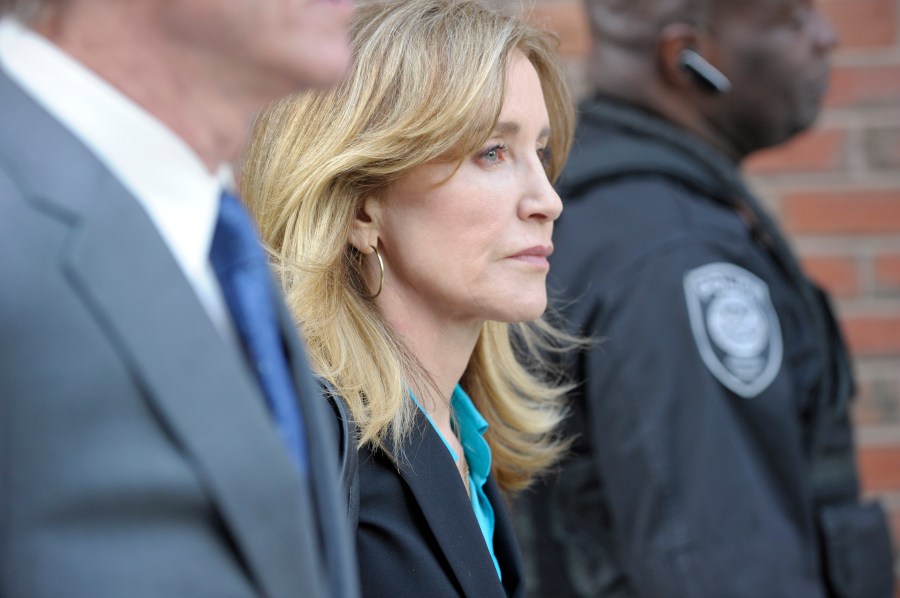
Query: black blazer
point(137, 457)
point(417, 533)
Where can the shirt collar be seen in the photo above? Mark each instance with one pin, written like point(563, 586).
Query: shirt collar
point(472, 427)
point(162, 172)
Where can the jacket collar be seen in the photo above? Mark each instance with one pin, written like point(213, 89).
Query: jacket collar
point(635, 141)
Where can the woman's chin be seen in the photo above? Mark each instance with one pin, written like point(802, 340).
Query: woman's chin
point(520, 310)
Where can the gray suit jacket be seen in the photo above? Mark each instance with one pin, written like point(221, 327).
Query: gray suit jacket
point(137, 457)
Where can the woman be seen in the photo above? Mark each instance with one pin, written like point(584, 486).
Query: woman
point(411, 212)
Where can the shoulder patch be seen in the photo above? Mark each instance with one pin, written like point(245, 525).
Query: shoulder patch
point(735, 326)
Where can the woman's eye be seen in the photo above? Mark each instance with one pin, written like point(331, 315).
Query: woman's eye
point(494, 154)
point(546, 156)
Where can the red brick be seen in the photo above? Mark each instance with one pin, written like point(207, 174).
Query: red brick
point(838, 275)
point(894, 522)
point(866, 412)
point(568, 20)
point(863, 23)
point(877, 400)
point(873, 335)
point(879, 467)
point(815, 151)
point(882, 147)
point(864, 86)
point(887, 270)
point(858, 211)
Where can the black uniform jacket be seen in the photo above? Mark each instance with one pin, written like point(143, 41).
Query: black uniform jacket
point(692, 476)
point(417, 533)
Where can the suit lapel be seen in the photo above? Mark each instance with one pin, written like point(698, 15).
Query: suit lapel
point(195, 383)
point(198, 384)
point(322, 446)
point(429, 471)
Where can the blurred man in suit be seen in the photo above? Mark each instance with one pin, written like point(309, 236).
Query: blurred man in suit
point(715, 456)
point(160, 432)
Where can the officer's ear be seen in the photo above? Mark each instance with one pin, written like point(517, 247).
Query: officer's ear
point(681, 52)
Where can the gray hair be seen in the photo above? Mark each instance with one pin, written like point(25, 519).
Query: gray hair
point(636, 23)
point(25, 10)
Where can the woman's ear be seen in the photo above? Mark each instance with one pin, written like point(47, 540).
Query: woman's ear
point(365, 228)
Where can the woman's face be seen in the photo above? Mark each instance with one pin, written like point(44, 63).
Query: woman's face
point(474, 247)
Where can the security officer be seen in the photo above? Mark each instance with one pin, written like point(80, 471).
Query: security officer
point(715, 457)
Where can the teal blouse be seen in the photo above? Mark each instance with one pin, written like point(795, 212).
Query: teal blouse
point(471, 428)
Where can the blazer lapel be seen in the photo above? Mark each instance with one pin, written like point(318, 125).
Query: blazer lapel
point(196, 383)
point(506, 546)
point(429, 471)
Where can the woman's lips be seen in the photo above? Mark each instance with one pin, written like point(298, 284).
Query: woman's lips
point(536, 255)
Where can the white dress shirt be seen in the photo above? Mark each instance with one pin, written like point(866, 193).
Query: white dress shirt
point(162, 172)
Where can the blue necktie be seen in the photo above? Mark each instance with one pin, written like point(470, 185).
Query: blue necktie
point(243, 272)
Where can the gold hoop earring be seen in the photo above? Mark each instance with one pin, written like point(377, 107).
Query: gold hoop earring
point(380, 265)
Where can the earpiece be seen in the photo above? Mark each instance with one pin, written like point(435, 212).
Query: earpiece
point(708, 76)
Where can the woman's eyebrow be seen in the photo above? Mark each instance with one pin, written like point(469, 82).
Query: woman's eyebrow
point(512, 128)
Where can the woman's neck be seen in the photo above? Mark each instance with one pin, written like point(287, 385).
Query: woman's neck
point(442, 347)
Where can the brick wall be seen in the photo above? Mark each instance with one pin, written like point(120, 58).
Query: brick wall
point(836, 190)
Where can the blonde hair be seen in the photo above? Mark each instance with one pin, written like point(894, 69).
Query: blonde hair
point(427, 81)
